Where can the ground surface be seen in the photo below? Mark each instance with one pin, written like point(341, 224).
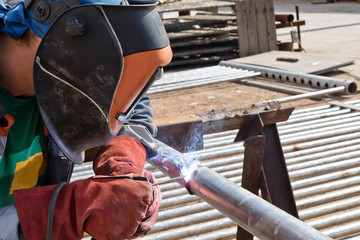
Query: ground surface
point(331, 29)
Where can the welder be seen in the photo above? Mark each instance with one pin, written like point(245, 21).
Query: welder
point(73, 74)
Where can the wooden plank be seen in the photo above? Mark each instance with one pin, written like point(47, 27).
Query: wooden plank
point(290, 24)
point(188, 22)
point(182, 6)
point(252, 27)
point(270, 23)
point(194, 61)
point(263, 42)
point(243, 38)
point(203, 41)
point(200, 33)
point(199, 51)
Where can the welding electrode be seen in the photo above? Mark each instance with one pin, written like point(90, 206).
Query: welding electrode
point(170, 180)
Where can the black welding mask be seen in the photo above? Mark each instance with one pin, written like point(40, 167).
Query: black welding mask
point(93, 65)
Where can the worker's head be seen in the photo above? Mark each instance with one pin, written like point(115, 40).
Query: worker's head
point(94, 62)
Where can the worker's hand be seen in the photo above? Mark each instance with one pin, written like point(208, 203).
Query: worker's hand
point(121, 152)
point(125, 155)
point(106, 207)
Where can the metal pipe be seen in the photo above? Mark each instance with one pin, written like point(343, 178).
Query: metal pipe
point(314, 212)
point(318, 93)
point(198, 77)
point(284, 17)
point(252, 213)
point(296, 77)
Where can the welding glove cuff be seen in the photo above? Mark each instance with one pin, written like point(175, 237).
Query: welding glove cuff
point(126, 155)
point(106, 207)
point(121, 152)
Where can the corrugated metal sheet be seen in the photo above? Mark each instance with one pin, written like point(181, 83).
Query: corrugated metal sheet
point(322, 151)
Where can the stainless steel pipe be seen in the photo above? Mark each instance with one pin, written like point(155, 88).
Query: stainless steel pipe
point(252, 213)
point(312, 80)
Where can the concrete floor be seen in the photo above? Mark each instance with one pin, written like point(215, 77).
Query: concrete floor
point(331, 28)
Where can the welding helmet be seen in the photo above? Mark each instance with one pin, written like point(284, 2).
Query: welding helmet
point(93, 64)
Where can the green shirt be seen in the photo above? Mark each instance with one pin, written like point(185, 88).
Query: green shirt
point(23, 164)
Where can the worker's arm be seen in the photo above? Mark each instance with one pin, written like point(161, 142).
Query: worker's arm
point(119, 202)
point(142, 115)
point(140, 126)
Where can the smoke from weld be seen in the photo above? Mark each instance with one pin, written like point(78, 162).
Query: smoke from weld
point(175, 163)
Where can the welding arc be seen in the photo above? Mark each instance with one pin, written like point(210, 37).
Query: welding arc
point(170, 180)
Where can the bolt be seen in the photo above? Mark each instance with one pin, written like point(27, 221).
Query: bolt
point(75, 27)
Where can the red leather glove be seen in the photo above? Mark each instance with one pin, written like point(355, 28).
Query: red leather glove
point(126, 155)
point(106, 207)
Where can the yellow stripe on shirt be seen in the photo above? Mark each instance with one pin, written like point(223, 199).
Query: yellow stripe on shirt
point(27, 172)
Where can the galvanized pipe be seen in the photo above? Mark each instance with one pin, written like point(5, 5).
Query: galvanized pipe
point(198, 77)
point(318, 121)
point(313, 181)
point(324, 209)
point(312, 80)
point(252, 213)
point(318, 93)
point(307, 131)
point(328, 197)
point(316, 115)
